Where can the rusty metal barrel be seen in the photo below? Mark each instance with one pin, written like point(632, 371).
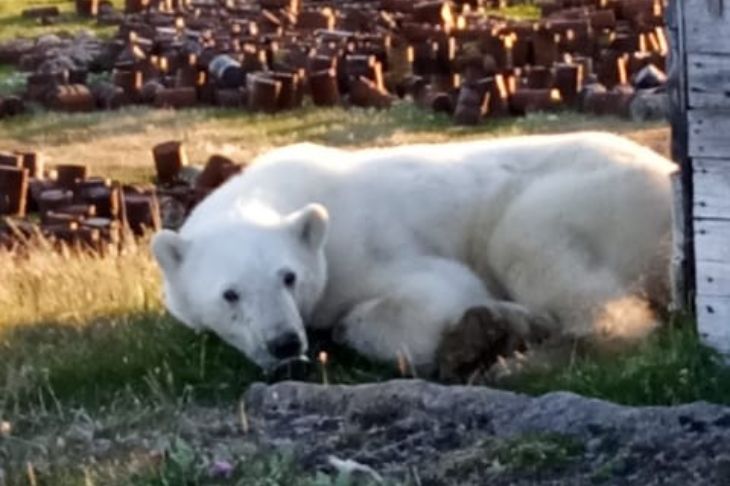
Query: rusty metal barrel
point(69, 175)
point(72, 98)
point(227, 72)
point(263, 92)
point(87, 8)
point(170, 158)
point(142, 212)
point(53, 199)
point(323, 87)
point(13, 190)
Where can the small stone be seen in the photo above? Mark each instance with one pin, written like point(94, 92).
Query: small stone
point(80, 434)
point(102, 447)
point(221, 469)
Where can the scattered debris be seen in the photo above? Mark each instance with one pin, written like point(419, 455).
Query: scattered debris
point(263, 55)
point(69, 207)
point(352, 468)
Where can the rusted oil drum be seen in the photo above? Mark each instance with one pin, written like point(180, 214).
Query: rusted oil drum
point(170, 158)
point(227, 72)
point(13, 190)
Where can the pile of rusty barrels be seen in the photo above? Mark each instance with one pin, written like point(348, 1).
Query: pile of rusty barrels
point(454, 56)
point(181, 186)
point(67, 206)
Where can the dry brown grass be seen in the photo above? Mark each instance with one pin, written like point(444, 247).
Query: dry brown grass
point(74, 287)
point(119, 144)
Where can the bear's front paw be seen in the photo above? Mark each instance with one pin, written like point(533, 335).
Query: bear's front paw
point(475, 344)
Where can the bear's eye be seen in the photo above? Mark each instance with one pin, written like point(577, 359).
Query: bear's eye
point(231, 296)
point(289, 279)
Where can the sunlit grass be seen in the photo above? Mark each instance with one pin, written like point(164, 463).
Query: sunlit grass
point(526, 10)
point(73, 287)
point(12, 81)
point(118, 144)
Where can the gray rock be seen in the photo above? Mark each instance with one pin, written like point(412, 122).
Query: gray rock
point(80, 433)
point(651, 104)
point(473, 435)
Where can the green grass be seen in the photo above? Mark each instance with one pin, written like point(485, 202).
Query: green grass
point(670, 368)
point(12, 81)
point(334, 126)
point(118, 144)
point(13, 25)
point(527, 10)
point(182, 464)
point(534, 452)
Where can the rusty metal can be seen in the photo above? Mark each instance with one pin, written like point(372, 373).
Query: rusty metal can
point(170, 158)
point(13, 190)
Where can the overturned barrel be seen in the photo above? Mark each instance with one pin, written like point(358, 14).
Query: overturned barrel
point(227, 72)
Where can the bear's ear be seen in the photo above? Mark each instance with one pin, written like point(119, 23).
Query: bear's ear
point(168, 248)
point(309, 224)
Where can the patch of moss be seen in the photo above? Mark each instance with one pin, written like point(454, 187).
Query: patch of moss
point(537, 452)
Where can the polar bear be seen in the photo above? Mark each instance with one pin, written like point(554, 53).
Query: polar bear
point(391, 246)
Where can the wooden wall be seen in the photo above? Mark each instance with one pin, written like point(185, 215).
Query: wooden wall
point(704, 27)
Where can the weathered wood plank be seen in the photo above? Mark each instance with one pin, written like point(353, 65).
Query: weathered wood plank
point(707, 29)
point(711, 182)
point(713, 321)
point(713, 279)
point(708, 80)
point(679, 242)
point(676, 91)
point(712, 241)
point(709, 132)
point(683, 278)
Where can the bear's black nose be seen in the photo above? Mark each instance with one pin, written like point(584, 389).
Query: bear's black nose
point(285, 346)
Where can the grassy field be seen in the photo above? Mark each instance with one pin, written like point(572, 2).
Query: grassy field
point(119, 146)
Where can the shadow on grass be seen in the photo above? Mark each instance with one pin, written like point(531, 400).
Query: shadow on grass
point(48, 367)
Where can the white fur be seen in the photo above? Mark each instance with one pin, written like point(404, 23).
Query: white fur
point(552, 226)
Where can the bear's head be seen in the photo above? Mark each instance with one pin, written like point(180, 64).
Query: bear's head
point(253, 283)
